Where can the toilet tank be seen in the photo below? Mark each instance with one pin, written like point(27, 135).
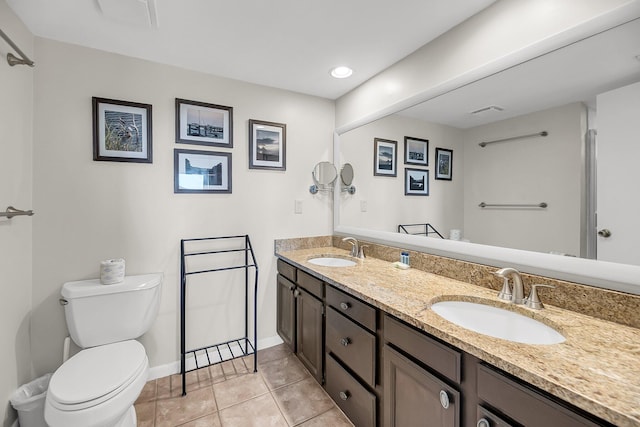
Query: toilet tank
point(100, 314)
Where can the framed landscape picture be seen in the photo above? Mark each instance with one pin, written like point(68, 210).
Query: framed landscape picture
point(444, 163)
point(121, 131)
point(204, 124)
point(416, 151)
point(267, 145)
point(384, 157)
point(416, 182)
point(198, 171)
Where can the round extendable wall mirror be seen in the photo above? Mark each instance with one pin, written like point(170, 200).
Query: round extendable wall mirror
point(324, 175)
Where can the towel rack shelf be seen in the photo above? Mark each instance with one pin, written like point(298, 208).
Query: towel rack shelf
point(11, 212)
point(236, 347)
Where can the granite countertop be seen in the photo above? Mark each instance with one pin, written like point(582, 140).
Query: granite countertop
point(597, 368)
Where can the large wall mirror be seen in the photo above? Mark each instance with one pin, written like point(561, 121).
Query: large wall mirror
point(529, 201)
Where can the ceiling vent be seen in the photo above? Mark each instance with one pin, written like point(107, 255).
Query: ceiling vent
point(489, 109)
point(141, 13)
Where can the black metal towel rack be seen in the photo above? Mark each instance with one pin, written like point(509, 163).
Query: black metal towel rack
point(423, 229)
point(243, 346)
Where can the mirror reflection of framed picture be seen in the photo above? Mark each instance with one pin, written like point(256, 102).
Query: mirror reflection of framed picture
point(385, 157)
point(416, 151)
point(204, 124)
point(416, 182)
point(444, 159)
point(267, 145)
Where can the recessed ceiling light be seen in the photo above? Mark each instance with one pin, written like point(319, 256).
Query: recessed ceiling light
point(341, 72)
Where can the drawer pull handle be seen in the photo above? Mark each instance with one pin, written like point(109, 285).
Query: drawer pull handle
point(483, 422)
point(344, 395)
point(345, 341)
point(296, 293)
point(444, 399)
point(345, 305)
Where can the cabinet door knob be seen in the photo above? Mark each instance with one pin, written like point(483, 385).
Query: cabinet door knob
point(444, 399)
point(345, 305)
point(345, 341)
point(344, 395)
point(296, 293)
point(483, 422)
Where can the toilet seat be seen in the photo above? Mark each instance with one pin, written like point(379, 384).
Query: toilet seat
point(96, 375)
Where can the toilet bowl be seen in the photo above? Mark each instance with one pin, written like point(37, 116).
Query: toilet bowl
point(98, 387)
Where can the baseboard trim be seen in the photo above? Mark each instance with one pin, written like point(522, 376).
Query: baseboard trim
point(172, 368)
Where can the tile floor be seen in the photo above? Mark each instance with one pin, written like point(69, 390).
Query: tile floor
point(281, 393)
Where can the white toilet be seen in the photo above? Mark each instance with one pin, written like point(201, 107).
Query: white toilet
point(98, 386)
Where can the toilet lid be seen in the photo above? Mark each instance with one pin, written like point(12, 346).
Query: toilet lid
point(95, 374)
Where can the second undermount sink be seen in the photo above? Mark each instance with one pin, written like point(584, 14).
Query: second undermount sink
point(329, 261)
point(497, 322)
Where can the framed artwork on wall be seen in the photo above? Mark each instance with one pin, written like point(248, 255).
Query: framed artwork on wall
point(201, 123)
point(444, 163)
point(267, 145)
point(197, 171)
point(416, 151)
point(121, 131)
point(385, 157)
point(416, 182)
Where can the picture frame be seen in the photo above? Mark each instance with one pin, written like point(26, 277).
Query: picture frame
point(198, 171)
point(444, 164)
point(385, 157)
point(416, 151)
point(122, 131)
point(201, 123)
point(267, 145)
point(416, 182)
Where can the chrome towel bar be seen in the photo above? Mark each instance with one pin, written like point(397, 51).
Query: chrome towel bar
point(11, 58)
point(513, 205)
point(485, 143)
point(11, 212)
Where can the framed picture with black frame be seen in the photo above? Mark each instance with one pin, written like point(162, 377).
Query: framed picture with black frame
point(416, 151)
point(416, 182)
point(121, 131)
point(267, 145)
point(201, 123)
point(444, 163)
point(385, 157)
point(198, 171)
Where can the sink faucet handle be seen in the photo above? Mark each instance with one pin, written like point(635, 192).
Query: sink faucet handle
point(534, 301)
point(505, 293)
point(361, 253)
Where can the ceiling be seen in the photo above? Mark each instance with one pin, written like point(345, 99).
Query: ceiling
point(575, 73)
point(287, 44)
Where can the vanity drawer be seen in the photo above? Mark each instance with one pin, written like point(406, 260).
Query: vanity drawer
point(310, 284)
point(352, 344)
point(523, 404)
point(443, 359)
point(287, 270)
point(352, 307)
point(354, 399)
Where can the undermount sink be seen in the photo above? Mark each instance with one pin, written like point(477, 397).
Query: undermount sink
point(497, 322)
point(328, 261)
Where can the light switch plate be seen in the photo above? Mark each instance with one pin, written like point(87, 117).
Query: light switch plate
point(363, 205)
point(298, 206)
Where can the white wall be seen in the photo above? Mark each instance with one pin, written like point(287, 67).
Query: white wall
point(504, 34)
point(542, 169)
point(387, 206)
point(16, 187)
point(89, 211)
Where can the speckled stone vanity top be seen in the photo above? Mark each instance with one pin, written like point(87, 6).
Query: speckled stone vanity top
point(597, 368)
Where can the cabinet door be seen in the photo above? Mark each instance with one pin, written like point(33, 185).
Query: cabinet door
point(286, 312)
point(309, 332)
point(413, 397)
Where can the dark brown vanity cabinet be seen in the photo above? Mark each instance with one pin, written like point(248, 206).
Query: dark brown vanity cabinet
point(300, 316)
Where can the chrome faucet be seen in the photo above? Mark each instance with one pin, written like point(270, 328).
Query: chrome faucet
point(517, 296)
point(355, 248)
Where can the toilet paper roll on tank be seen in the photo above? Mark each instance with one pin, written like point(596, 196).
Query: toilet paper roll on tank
point(112, 271)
